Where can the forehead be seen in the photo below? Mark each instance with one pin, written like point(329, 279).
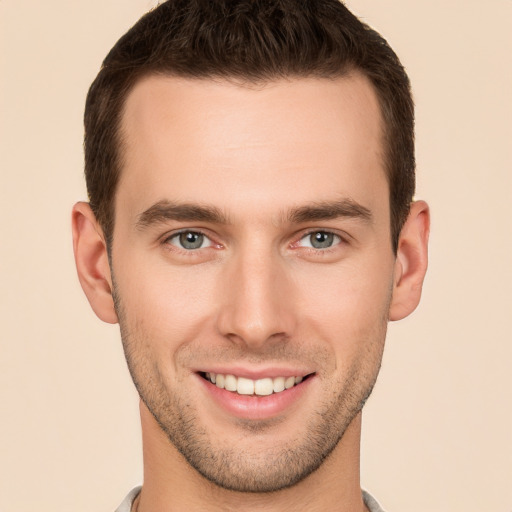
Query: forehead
point(206, 141)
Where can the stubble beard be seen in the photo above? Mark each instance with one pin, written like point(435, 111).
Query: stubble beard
point(255, 471)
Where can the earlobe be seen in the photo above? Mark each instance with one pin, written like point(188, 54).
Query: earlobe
point(92, 264)
point(411, 262)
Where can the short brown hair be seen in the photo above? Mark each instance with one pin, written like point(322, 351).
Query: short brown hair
point(251, 41)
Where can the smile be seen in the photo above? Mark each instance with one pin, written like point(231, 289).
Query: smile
point(260, 387)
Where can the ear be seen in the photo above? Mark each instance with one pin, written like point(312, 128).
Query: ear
point(92, 262)
point(411, 261)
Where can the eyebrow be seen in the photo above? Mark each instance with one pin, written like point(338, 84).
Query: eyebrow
point(163, 211)
point(327, 210)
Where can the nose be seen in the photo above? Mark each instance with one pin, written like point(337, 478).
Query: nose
point(256, 301)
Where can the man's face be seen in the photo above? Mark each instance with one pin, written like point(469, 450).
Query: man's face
point(252, 243)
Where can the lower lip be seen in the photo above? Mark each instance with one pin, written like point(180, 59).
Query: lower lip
point(256, 407)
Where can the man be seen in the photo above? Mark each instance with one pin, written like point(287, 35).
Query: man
point(250, 168)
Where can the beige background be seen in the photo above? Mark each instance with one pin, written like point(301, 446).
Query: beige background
point(438, 429)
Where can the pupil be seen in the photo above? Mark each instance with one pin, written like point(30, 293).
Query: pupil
point(321, 240)
point(191, 240)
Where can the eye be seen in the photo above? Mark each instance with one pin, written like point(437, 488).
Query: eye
point(319, 240)
point(189, 240)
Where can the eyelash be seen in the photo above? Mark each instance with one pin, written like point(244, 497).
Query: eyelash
point(339, 240)
point(167, 241)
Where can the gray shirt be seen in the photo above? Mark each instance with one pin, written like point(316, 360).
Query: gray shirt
point(126, 505)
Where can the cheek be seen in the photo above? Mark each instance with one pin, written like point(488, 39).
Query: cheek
point(355, 288)
point(347, 307)
point(168, 304)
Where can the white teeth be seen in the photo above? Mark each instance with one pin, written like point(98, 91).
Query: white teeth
point(230, 383)
point(219, 382)
point(278, 384)
point(245, 386)
point(289, 382)
point(260, 387)
point(264, 387)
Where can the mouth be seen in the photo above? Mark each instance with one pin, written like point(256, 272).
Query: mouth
point(258, 387)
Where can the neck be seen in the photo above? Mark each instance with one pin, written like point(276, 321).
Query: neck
point(171, 484)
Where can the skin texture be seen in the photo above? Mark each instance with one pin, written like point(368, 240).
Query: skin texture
point(265, 167)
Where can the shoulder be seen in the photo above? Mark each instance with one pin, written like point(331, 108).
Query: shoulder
point(126, 505)
point(371, 503)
